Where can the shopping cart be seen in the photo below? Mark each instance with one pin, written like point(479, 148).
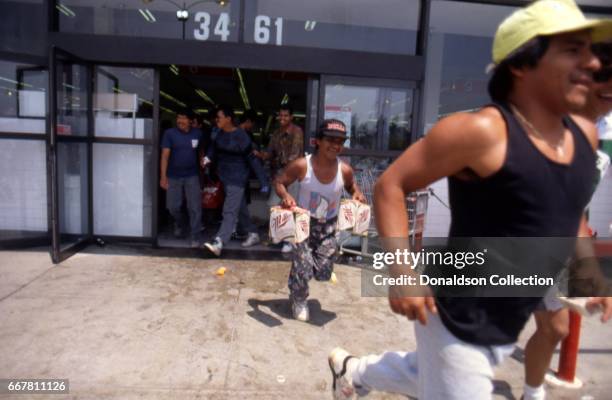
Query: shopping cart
point(364, 246)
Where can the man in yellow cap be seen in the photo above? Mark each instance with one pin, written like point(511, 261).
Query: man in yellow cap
point(520, 168)
point(552, 319)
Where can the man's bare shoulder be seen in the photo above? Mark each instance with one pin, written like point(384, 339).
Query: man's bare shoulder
point(299, 164)
point(481, 128)
point(588, 128)
point(347, 170)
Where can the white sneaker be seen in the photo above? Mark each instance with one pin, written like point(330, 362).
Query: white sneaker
point(300, 311)
point(215, 247)
point(287, 247)
point(251, 240)
point(342, 365)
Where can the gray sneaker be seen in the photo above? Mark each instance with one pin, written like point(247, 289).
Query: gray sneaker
point(215, 247)
point(251, 240)
point(300, 311)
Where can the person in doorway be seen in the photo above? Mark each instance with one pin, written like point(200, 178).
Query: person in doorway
point(518, 168)
point(179, 174)
point(197, 122)
point(552, 319)
point(247, 123)
point(286, 145)
point(322, 178)
point(229, 151)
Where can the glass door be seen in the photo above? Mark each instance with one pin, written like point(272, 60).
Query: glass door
point(69, 156)
point(23, 149)
point(379, 116)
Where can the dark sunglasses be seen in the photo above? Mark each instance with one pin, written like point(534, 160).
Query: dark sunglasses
point(603, 75)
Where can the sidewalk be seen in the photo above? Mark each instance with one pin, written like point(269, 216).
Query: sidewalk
point(141, 327)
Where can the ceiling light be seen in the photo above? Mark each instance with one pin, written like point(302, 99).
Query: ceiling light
point(310, 25)
point(65, 10)
point(242, 90)
point(147, 15)
point(182, 15)
point(203, 95)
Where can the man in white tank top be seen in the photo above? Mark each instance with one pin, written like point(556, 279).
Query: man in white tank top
point(322, 177)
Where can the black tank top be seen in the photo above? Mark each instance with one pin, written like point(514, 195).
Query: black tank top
point(530, 196)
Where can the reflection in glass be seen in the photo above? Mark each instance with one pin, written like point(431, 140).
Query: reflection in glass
point(398, 111)
point(72, 189)
point(378, 118)
point(383, 26)
point(122, 190)
point(71, 99)
point(359, 108)
point(459, 49)
point(23, 188)
point(23, 98)
point(23, 26)
point(123, 102)
point(199, 20)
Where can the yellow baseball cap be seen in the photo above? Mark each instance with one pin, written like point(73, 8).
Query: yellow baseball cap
point(544, 17)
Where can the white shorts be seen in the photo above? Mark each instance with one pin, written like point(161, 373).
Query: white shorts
point(551, 302)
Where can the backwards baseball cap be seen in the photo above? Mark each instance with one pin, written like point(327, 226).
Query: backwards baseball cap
point(543, 18)
point(332, 128)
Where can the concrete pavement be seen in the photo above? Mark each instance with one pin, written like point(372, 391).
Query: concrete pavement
point(122, 325)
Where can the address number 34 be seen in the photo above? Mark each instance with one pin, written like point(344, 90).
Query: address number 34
point(263, 30)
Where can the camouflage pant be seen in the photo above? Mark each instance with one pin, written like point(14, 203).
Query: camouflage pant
point(313, 257)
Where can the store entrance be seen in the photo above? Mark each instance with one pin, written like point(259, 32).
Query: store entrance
point(200, 89)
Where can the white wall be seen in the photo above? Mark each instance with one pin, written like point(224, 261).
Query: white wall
point(437, 219)
point(600, 214)
point(118, 190)
point(23, 185)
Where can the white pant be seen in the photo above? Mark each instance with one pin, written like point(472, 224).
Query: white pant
point(444, 367)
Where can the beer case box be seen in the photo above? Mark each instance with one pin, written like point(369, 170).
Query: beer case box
point(362, 219)
point(346, 214)
point(282, 224)
point(289, 225)
point(302, 225)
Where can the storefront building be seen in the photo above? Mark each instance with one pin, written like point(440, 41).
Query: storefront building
point(85, 86)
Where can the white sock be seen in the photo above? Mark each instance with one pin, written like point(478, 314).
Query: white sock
point(534, 393)
point(352, 369)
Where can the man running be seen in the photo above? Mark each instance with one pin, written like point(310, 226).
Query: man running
point(552, 319)
point(322, 177)
point(518, 168)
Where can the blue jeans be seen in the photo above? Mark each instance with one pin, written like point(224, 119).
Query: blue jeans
point(193, 194)
point(235, 213)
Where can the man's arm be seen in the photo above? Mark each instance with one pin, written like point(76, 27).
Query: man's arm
point(294, 171)
point(350, 185)
point(163, 180)
point(269, 152)
point(459, 142)
point(297, 144)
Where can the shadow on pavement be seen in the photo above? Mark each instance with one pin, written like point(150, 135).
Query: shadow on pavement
point(281, 308)
point(503, 388)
